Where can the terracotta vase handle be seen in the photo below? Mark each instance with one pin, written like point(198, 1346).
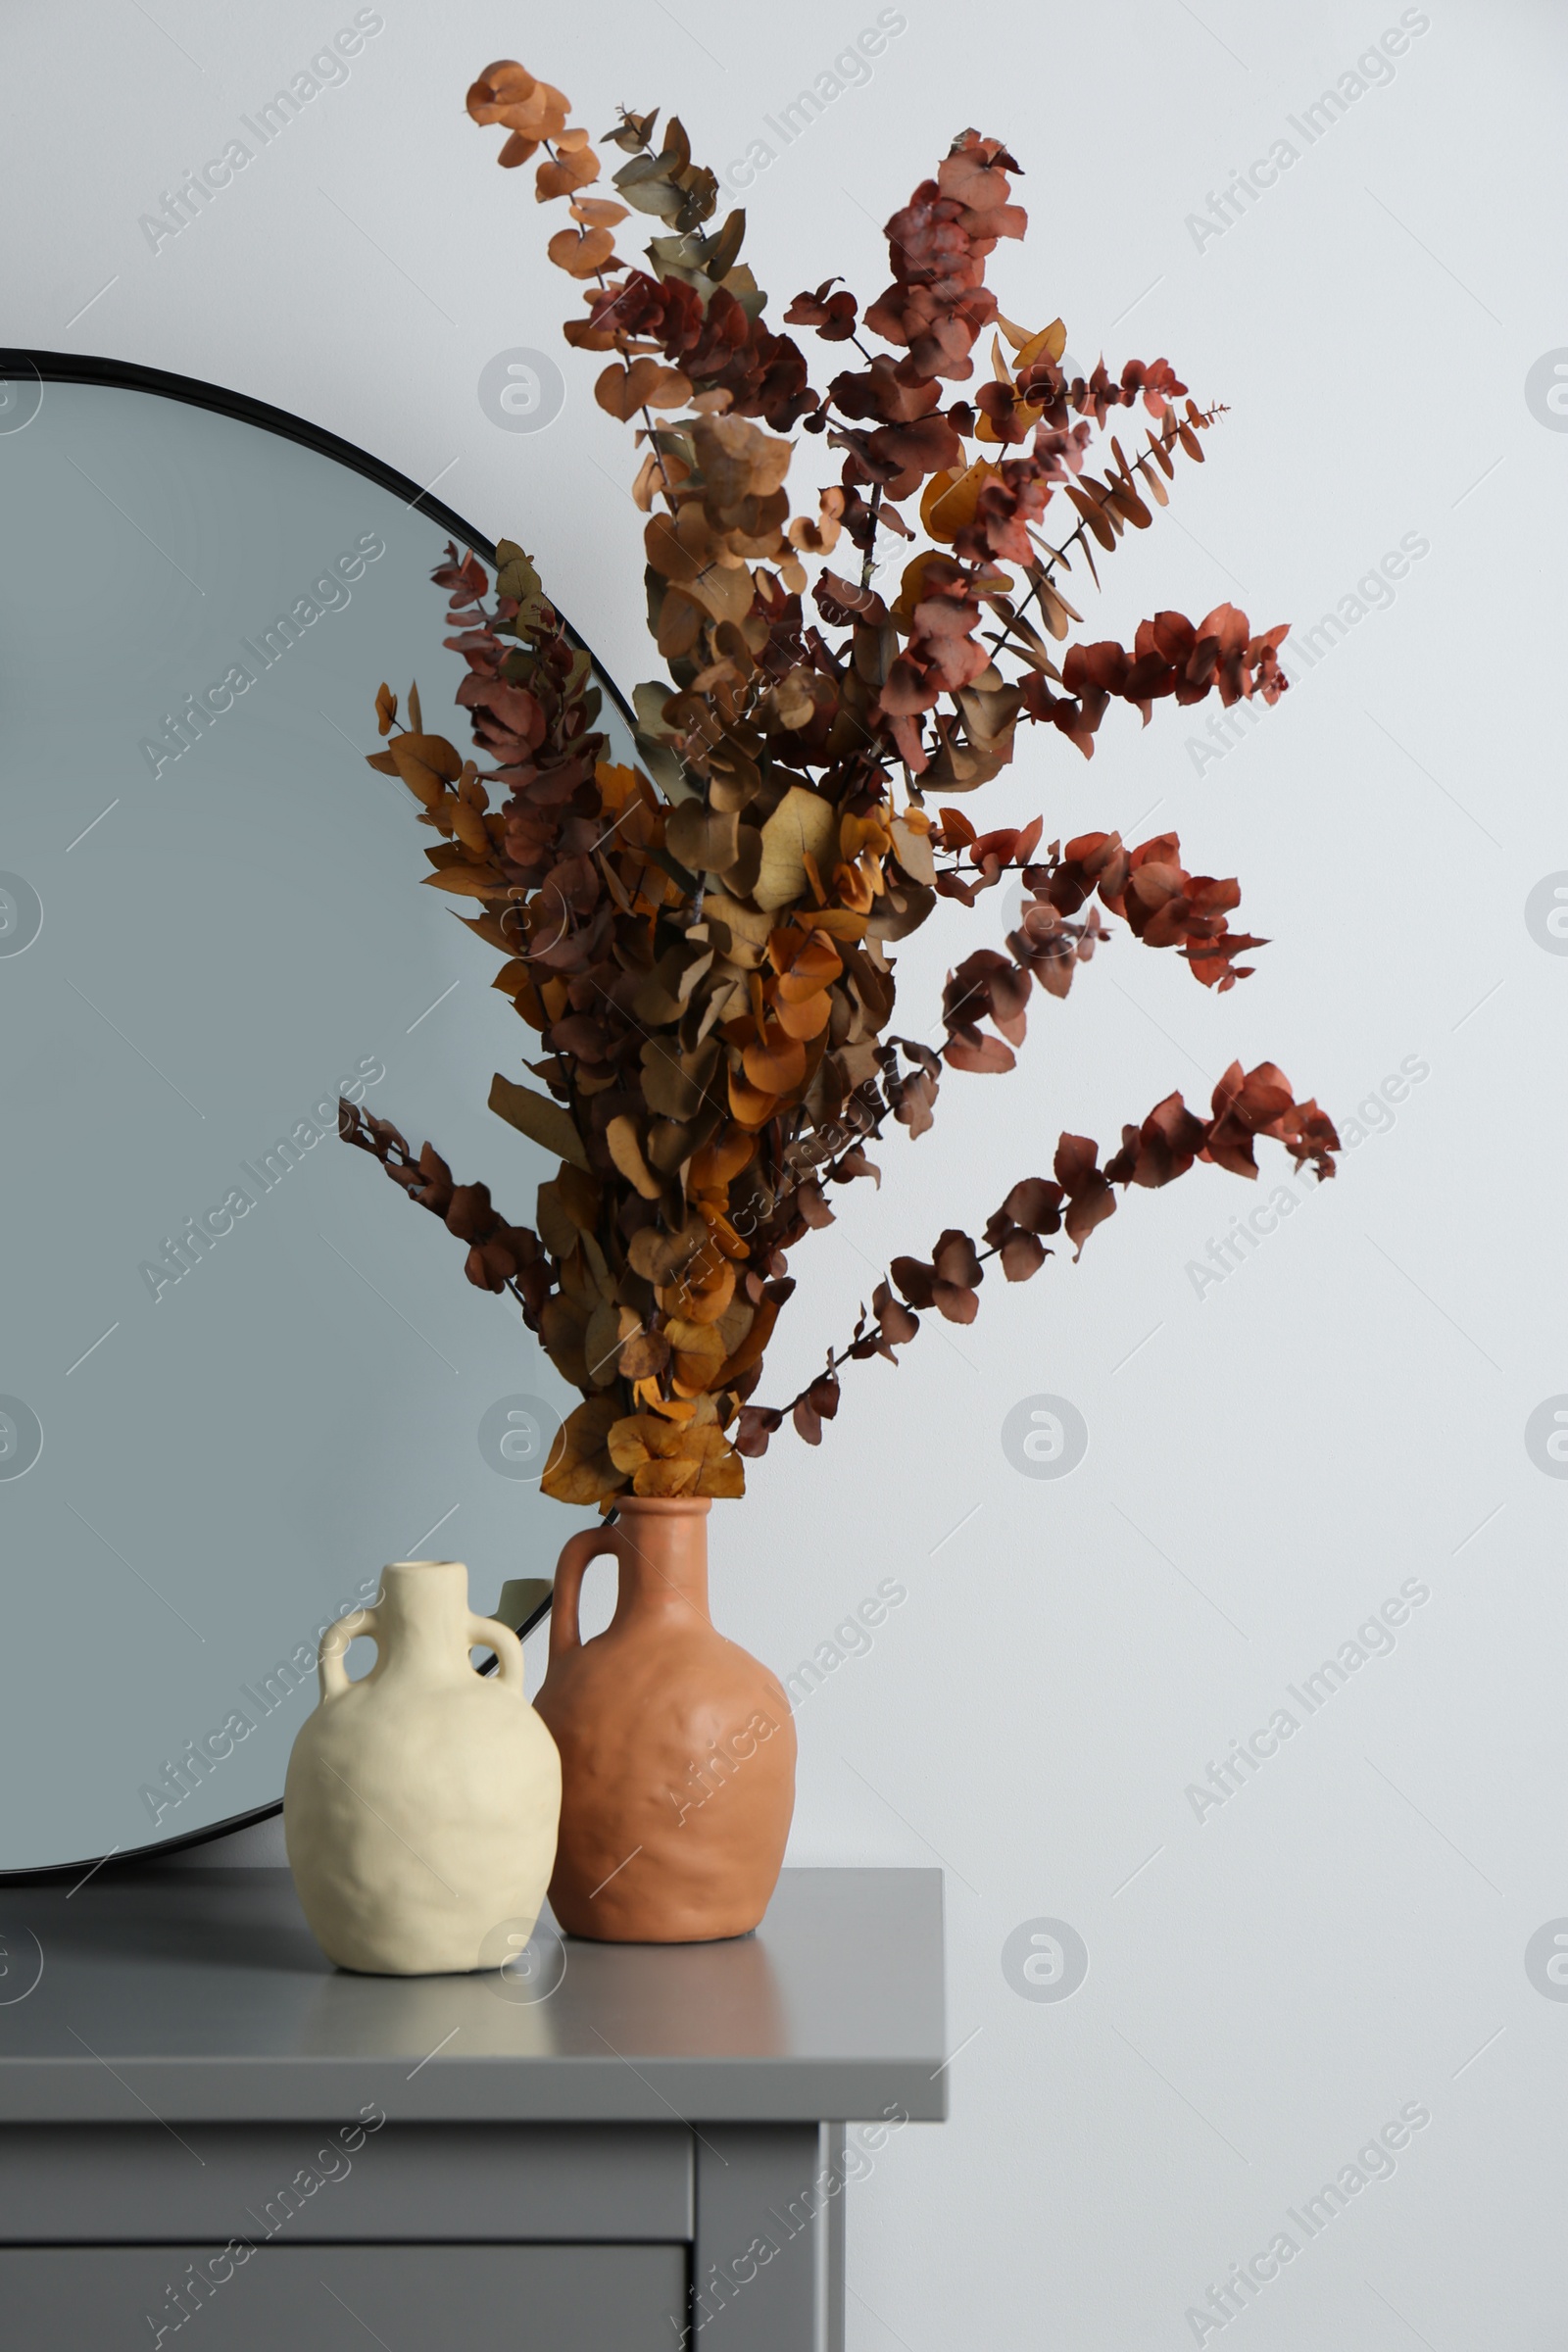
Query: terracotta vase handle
point(570, 1568)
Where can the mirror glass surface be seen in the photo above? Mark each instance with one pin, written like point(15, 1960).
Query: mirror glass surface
point(238, 1372)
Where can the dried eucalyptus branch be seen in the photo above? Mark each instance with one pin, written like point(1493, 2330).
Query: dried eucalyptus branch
point(1168, 1144)
point(704, 942)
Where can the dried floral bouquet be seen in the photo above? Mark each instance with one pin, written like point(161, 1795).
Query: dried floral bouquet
point(703, 942)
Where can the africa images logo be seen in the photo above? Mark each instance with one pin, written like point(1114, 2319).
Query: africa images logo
point(1045, 1436)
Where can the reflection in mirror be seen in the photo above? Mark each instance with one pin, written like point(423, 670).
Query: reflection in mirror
point(235, 1377)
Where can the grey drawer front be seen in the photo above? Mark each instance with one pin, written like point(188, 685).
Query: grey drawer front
point(91, 2183)
point(346, 2298)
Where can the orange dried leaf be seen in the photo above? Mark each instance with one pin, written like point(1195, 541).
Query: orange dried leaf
point(562, 174)
point(595, 212)
point(775, 1063)
point(644, 384)
point(950, 499)
point(705, 1301)
point(508, 94)
point(750, 1104)
point(469, 882)
point(581, 255)
point(805, 1017)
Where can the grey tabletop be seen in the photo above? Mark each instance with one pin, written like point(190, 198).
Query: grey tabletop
point(201, 1995)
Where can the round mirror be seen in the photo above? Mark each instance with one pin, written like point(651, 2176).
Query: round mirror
point(236, 1374)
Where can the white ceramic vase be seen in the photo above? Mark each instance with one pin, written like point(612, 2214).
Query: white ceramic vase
point(421, 1803)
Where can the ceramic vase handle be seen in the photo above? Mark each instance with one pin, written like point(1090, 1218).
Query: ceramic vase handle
point(335, 1675)
point(488, 1633)
point(570, 1571)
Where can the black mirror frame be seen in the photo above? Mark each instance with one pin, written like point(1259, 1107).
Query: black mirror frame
point(127, 376)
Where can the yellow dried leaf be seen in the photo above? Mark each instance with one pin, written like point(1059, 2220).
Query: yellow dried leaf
point(581, 1469)
point(669, 1458)
point(626, 1152)
point(949, 500)
point(804, 824)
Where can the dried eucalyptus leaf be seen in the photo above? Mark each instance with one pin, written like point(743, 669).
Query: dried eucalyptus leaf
point(673, 1084)
point(703, 839)
point(557, 1228)
point(656, 1255)
point(601, 1344)
point(740, 879)
point(670, 1141)
point(626, 1152)
point(666, 768)
point(740, 933)
point(913, 848)
point(648, 700)
point(802, 825)
point(537, 1117)
point(657, 1001)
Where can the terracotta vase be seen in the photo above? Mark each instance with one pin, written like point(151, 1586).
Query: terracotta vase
point(677, 1747)
point(421, 1804)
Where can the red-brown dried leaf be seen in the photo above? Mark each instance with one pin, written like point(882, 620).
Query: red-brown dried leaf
point(954, 1302)
point(1035, 1203)
point(916, 1278)
point(807, 1421)
point(954, 1261)
point(1169, 1140)
point(1090, 1198)
point(1022, 1256)
point(894, 1321)
point(832, 314)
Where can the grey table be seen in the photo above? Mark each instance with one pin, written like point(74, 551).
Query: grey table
point(203, 2124)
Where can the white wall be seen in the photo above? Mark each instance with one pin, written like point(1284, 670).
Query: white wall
point(1267, 1462)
